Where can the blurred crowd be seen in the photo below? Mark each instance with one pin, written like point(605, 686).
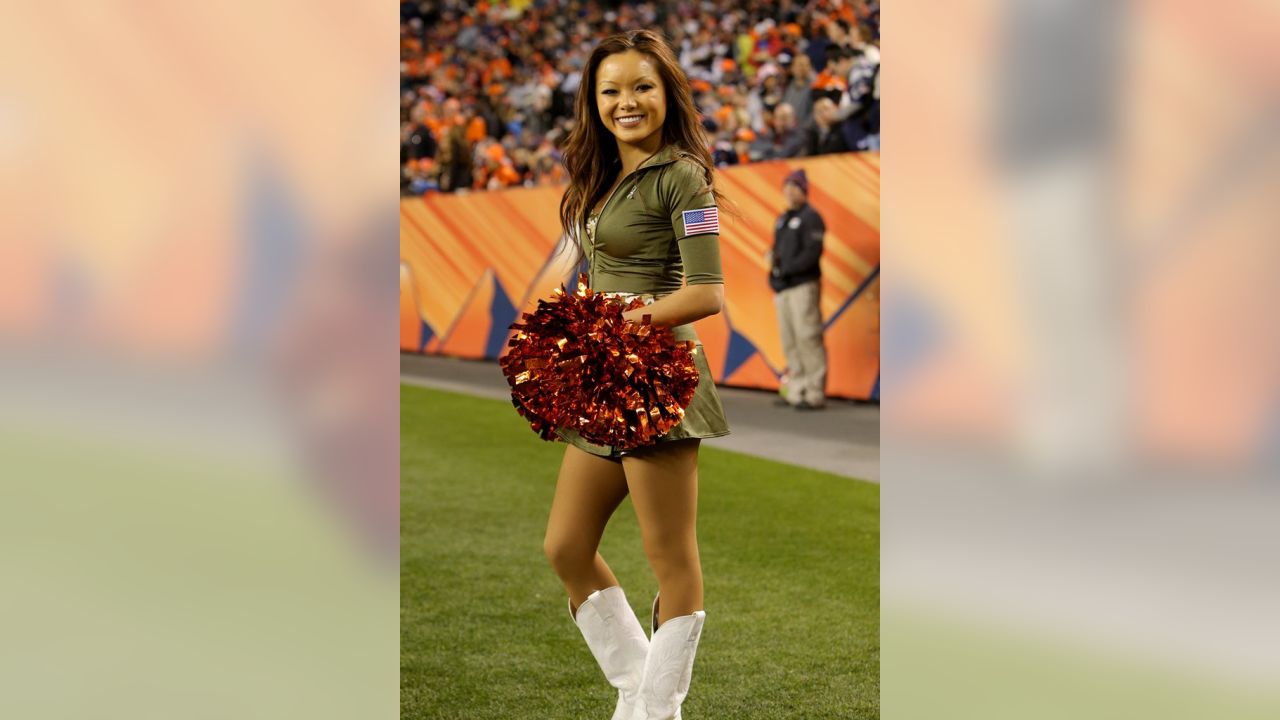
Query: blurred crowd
point(487, 88)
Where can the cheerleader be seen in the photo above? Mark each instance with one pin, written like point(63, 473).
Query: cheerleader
point(642, 209)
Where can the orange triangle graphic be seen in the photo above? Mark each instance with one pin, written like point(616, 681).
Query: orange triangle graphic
point(470, 329)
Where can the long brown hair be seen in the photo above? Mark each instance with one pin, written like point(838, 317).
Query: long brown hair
point(591, 152)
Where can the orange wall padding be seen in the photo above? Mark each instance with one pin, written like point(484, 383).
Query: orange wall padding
point(471, 264)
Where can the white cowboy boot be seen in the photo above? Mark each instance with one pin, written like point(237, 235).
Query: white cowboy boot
point(617, 642)
point(669, 666)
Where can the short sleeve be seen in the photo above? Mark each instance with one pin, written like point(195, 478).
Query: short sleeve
point(700, 256)
point(695, 222)
point(689, 201)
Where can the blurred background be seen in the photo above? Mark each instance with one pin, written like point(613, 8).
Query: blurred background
point(198, 409)
point(1080, 431)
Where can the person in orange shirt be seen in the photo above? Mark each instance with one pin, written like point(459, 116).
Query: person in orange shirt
point(505, 176)
point(497, 170)
point(432, 61)
point(742, 144)
point(476, 128)
point(833, 81)
point(725, 119)
point(499, 69)
point(548, 171)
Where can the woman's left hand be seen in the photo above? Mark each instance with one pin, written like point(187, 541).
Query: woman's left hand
point(635, 316)
point(686, 305)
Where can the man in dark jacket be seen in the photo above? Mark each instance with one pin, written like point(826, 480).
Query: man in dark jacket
point(823, 135)
point(796, 278)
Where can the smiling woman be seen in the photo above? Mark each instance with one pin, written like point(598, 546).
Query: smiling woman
point(633, 105)
point(641, 206)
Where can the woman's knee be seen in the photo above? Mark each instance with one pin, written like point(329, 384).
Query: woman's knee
point(567, 558)
point(673, 559)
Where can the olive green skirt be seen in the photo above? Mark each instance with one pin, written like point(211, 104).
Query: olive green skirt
point(703, 418)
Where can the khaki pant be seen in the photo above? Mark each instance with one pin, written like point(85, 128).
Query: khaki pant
point(800, 324)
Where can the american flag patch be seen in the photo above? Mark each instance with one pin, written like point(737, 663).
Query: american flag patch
point(706, 220)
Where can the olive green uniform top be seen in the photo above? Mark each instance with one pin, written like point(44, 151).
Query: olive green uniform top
point(638, 245)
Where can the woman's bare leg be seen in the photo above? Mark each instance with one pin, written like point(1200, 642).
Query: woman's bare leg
point(663, 482)
point(588, 490)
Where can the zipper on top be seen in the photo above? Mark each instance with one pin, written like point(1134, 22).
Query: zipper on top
point(596, 230)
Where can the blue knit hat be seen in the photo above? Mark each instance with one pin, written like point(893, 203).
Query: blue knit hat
point(800, 179)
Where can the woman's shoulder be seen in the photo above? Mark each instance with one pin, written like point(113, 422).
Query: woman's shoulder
point(684, 162)
point(684, 174)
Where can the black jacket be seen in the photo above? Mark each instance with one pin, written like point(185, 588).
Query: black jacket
point(797, 248)
point(823, 142)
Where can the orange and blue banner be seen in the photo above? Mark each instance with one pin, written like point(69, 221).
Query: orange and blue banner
point(471, 264)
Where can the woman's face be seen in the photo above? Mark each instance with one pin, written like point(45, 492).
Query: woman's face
point(631, 98)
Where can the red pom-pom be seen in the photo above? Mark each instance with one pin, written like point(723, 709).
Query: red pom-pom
point(575, 363)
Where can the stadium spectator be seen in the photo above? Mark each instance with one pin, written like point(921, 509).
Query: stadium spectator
point(507, 73)
point(867, 55)
point(861, 126)
point(823, 135)
point(819, 40)
point(833, 82)
point(494, 170)
point(454, 162)
point(782, 137)
point(723, 153)
point(800, 77)
point(742, 141)
point(420, 141)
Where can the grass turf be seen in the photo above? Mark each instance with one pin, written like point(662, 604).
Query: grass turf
point(790, 558)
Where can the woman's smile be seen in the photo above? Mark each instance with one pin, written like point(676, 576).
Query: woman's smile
point(630, 121)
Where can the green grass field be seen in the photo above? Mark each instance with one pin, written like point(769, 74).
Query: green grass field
point(790, 558)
